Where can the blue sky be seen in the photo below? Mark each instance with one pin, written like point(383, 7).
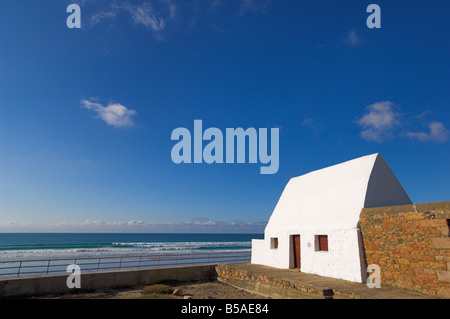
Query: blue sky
point(86, 115)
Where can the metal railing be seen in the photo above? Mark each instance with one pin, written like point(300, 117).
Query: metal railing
point(39, 267)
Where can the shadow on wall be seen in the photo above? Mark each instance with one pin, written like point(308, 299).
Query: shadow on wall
point(362, 253)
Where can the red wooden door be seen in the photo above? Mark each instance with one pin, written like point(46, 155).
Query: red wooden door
point(296, 247)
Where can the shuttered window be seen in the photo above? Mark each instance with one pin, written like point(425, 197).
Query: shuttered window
point(322, 242)
point(274, 243)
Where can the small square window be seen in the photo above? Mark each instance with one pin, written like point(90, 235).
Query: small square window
point(274, 243)
point(321, 242)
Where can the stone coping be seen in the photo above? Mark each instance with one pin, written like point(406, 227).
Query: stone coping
point(393, 210)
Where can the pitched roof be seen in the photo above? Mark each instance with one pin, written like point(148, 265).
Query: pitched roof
point(333, 197)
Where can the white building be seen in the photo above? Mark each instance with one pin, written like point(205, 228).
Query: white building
point(314, 226)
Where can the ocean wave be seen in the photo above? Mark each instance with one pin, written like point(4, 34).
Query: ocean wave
point(128, 249)
point(182, 245)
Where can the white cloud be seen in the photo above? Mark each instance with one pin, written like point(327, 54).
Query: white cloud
point(353, 39)
point(379, 121)
point(437, 134)
point(114, 114)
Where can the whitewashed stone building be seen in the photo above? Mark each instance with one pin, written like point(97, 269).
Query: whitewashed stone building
point(315, 224)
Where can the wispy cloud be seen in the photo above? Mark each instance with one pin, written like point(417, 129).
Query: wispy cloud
point(194, 225)
point(102, 15)
point(97, 223)
point(257, 6)
point(422, 115)
point(352, 39)
point(437, 133)
point(146, 15)
point(161, 17)
point(114, 114)
point(14, 223)
point(310, 123)
point(379, 121)
point(154, 18)
point(215, 3)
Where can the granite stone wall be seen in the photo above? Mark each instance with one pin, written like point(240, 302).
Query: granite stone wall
point(411, 244)
point(271, 286)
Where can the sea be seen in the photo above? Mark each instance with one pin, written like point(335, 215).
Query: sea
point(31, 245)
point(37, 248)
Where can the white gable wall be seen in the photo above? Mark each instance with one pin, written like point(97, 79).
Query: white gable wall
point(384, 189)
point(328, 202)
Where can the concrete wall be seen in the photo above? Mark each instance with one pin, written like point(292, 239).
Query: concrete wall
point(411, 244)
point(55, 284)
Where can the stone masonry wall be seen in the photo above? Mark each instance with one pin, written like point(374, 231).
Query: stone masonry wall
point(411, 244)
point(262, 283)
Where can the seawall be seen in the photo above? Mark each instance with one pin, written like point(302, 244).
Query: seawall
point(57, 284)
